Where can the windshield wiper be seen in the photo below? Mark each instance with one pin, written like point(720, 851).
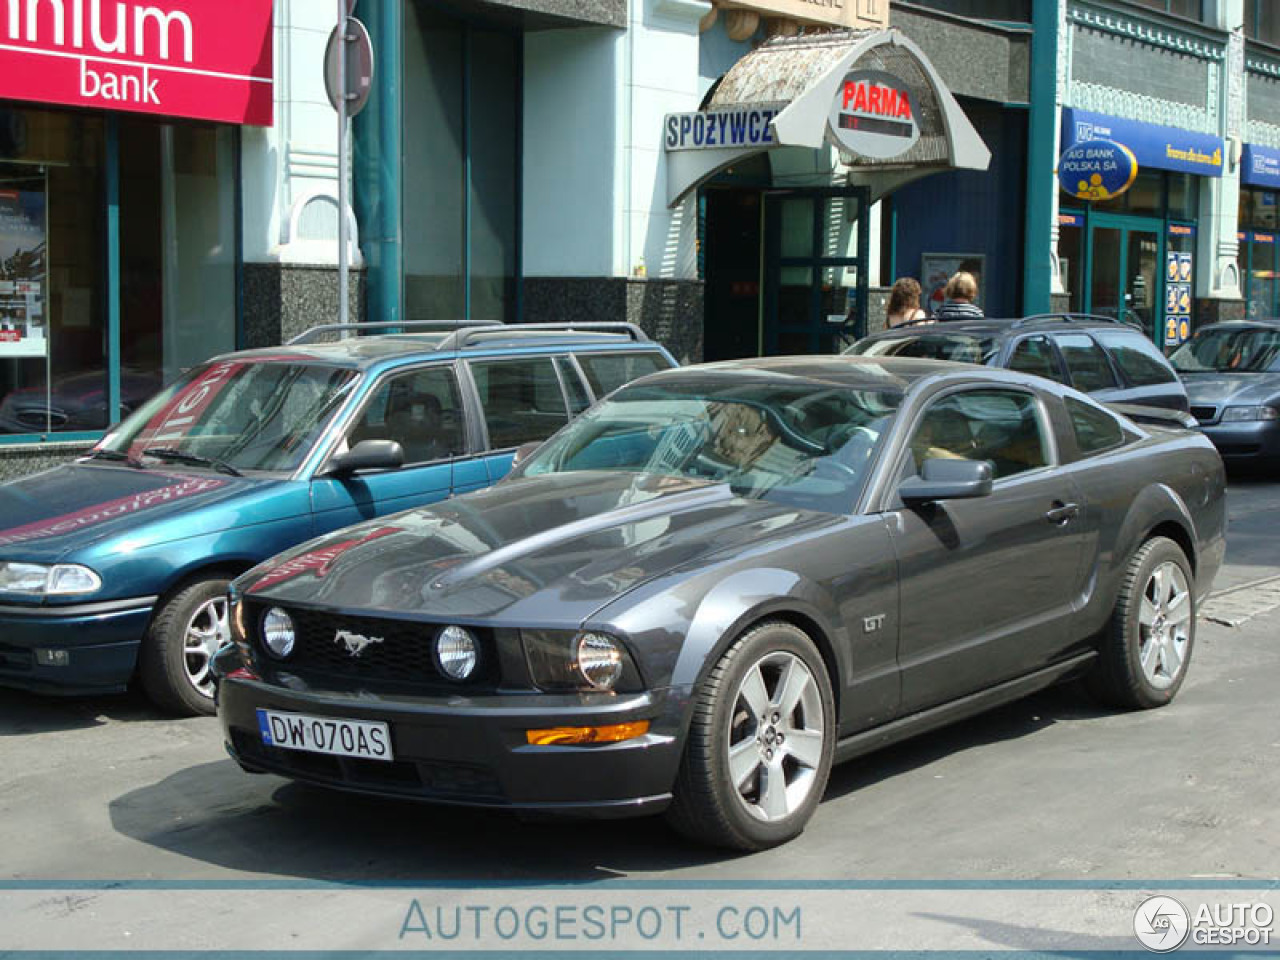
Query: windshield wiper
point(116, 457)
point(178, 456)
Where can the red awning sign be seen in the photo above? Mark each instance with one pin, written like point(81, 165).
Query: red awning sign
point(200, 59)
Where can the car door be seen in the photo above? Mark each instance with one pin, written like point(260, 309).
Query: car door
point(422, 410)
point(1037, 354)
point(521, 400)
point(986, 582)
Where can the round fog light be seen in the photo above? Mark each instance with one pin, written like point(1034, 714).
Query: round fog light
point(277, 632)
point(457, 652)
point(599, 660)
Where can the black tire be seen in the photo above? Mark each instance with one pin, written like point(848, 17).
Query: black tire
point(707, 806)
point(163, 661)
point(1118, 679)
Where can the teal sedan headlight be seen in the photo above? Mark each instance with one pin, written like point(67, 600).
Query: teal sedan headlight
point(42, 580)
point(1239, 414)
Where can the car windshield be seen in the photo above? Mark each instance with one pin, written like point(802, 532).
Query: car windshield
point(246, 415)
point(803, 445)
point(930, 346)
point(1248, 350)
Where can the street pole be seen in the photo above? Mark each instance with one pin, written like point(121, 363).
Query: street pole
point(343, 311)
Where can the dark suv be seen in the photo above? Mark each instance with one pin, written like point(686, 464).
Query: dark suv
point(1113, 361)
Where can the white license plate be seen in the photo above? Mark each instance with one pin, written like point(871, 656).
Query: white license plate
point(368, 739)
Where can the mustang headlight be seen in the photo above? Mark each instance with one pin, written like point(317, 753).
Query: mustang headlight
point(38, 579)
point(457, 652)
point(572, 660)
point(278, 633)
point(1237, 414)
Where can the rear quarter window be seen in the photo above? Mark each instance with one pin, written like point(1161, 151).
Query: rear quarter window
point(1086, 362)
point(1095, 429)
point(1137, 357)
point(606, 372)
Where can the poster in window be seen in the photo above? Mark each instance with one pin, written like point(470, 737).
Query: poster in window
point(23, 322)
point(937, 268)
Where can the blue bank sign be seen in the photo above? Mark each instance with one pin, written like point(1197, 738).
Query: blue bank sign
point(721, 129)
point(1154, 146)
point(1097, 169)
point(1260, 166)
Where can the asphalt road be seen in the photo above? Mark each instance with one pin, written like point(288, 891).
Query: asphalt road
point(1052, 787)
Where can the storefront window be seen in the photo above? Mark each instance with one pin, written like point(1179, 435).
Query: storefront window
point(1194, 9)
point(177, 251)
point(1262, 21)
point(461, 123)
point(1071, 258)
point(53, 376)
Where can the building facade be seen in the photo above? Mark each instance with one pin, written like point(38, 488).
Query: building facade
point(702, 168)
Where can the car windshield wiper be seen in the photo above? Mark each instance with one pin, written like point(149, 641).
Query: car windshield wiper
point(178, 456)
point(116, 457)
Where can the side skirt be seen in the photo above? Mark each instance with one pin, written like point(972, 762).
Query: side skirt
point(868, 741)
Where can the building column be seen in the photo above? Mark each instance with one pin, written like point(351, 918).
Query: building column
point(1218, 290)
point(1041, 277)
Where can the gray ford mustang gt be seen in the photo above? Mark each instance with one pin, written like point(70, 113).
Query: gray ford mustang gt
point(722, 579)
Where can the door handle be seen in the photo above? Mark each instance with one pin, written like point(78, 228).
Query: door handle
point(1061, 512)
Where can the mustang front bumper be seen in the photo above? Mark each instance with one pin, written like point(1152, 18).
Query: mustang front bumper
point(83, 648)
point(473, 750)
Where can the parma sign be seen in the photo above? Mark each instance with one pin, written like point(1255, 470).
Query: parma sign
point(873, 115)
point(1097, 169)
point(200, 59)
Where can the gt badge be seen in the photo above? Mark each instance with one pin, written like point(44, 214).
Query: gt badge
point(872, 624)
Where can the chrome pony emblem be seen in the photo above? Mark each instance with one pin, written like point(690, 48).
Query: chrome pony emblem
point(354, 643)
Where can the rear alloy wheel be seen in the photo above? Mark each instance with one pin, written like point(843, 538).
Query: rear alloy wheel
point(177, 655)
point(760, 743)
point(1147, 645)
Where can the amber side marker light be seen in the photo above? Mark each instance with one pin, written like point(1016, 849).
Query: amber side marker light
point(571, 735)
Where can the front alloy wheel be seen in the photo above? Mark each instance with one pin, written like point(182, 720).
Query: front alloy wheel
point(177, 654)
point(760, 742)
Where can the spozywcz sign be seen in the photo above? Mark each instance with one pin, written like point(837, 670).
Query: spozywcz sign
point(202, 59)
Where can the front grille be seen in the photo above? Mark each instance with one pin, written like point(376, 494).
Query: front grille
point(1205, 414)
point(402, 652)
point(414, 778)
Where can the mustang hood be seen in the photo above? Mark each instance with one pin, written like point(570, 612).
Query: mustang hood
point(45, 517)
point(536, 551)
point(1243, 389)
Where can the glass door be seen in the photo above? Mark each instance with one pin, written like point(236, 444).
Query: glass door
point(1125, 279)
point(815, 297)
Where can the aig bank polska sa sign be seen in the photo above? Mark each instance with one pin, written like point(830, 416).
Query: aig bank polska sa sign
point(203, 59)
point(1097, 170)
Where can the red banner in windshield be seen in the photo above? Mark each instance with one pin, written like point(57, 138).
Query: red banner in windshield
point(168, 427)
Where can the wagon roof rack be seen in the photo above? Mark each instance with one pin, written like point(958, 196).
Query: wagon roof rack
point(1068, 318)
point(469, 335)
point(312, 333)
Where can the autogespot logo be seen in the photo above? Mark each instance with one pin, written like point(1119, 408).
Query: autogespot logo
point(1161, 924)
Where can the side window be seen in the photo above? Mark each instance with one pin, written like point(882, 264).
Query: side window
point(1086, 363)
point(1001, 426)
point(1137, 357)
point(521, 398)
point(606, 372)
point(1036, 355)
point(419, 410)
point(1095, 429)
point(578, 397)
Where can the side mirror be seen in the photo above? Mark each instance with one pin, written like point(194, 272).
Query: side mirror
point(947, 480)
point(524, 452)
point(368, 455)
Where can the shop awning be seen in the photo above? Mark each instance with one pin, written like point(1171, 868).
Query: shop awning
point(871, 94)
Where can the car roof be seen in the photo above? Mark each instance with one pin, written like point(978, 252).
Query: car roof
point(368, 351)
point(892, 374)
point(1252, 323)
